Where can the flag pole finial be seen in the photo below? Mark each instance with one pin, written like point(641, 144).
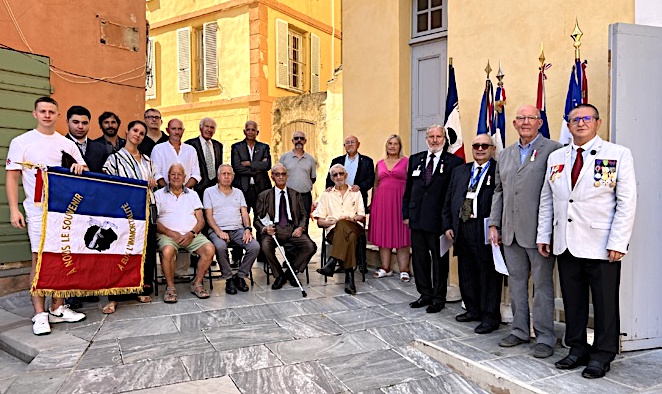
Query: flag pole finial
point(577, 37)
point(488, 69)
point(450, 61)
point(500, 75)
point(542, 55)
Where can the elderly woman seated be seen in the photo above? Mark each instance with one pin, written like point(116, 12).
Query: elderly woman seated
point(178, 225)
point(340, 209)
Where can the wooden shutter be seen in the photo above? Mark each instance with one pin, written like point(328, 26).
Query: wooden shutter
point(210, 58)
point(314, 63)
point(150, 71)
point(184, 60)
point(282, 58)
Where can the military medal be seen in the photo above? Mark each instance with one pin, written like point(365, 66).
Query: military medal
point(604, 173)
point(489, 178)
point(534, 154)
point(556, 172)
point(441, 169)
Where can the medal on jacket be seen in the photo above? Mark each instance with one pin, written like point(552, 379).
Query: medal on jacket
point(555, 172)
point(534, 154)
point(604, 173)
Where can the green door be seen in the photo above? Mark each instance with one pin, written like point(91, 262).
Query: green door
point(23, 78)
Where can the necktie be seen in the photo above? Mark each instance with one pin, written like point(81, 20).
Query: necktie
point(209, 160)
point(282, 210)
point(476, 177)
point(429, 169)
point(577, 167)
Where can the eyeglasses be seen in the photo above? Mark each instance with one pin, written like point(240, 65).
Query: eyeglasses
point(522, 119)
point(351, 142)
point(335, 174)
point(155, 117)
point(587, 119)
point(481, 146)
point(299, 138)
point(249, 129)
point(279, 174)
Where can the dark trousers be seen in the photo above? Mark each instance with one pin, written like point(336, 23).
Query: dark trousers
point(307, 202)
point(430, 269)
point(603, 278)
point(305, 246)
point(480, 283)
point(250, 195)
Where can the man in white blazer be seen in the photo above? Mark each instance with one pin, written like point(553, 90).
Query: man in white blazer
point(587, 209)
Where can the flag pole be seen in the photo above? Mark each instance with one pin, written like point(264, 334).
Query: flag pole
point(577, 38)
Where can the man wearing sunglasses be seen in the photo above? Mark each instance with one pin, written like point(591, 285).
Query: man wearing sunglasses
point(300, 169)
point(519, 177)
point(587, 207)
point(468, 204)
point(360, 169)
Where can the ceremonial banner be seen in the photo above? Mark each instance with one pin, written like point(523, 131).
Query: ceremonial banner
point(541, 102)
point(94, 233)
point(577, 94)
point(452, 123)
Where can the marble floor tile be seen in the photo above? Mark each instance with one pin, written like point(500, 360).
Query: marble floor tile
point(222, 385)
point(387, 283)
point(373, 369)
point(38, 382)
point(101, 354)
point(288, 293)
point(398, 335)
point(136, 328)
point(465, 350)
point(10, 320)
point(276, 380)
point(392, 296)
point(325, 305)
point(322, 376)
point(5, 383)
point(324, 347)
point(10, 366)
point(309, 326)
point(641, 372)
point(162, 309)
point(206, 320)
point(362, 319)
point(64, 357)
point(163, 346)
point(86, 332)
point(215, 364)
point(404, 310)
point(523, 368)
point(422, 360)
point(446, 384)
point(490, 343)
point(126, 312)
point(229, 301)
point(268, 312)
point(249, 334)
point(332, 289)
point(573, 382)
point(123, 378)
point(369, 299)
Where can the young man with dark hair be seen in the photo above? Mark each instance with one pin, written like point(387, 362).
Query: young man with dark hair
point(110, 125)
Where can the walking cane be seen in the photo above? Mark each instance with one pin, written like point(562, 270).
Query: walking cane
point(266, 221)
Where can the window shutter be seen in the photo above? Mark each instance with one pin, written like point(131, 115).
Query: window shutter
point(150, 71)
point(184, 60)
point(282, 58)
point(210, 49)
point(314, 63)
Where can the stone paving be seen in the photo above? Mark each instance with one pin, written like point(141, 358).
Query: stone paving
point(275, 341)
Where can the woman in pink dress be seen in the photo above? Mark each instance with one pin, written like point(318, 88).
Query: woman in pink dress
point(387, 229)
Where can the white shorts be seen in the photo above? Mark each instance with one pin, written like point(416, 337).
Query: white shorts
point(33, 218)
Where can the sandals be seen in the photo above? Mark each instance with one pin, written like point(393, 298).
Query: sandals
point(144, 299)
point(404, 276)
point(109, 308)
point(170, 296)
point(380, 273)
point(199, 291)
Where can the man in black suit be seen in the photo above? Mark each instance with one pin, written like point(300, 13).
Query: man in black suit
point(284, 206)
point(78, 122)
point(251, 162)
point(428, 176)
point(360, 169)
point(210, 155)
point(110, 125)
point(468, 203)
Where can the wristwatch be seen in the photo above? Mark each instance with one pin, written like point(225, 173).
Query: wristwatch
point(249, 228)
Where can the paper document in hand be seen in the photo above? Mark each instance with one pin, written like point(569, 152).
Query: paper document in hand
point(499, 263)
point(444, 245)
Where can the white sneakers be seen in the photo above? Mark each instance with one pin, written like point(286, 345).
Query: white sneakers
point(40, 324)
point(41, 320)
point(64, 314)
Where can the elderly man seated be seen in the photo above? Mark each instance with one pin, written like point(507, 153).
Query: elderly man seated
point(178, 225)
point(340, 209)
point(228, 221)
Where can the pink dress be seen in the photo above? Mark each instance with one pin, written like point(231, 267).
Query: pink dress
point(386, 227)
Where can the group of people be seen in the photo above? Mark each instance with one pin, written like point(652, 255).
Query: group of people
point(539, 200)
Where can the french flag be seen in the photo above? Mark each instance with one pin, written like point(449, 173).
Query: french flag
point(94, 233)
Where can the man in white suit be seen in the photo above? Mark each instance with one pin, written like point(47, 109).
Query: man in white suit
point(587, 208)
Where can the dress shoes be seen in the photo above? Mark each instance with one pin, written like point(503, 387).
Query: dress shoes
point(328, 268)
point(511, 340)
point(350, 287)
point(485, 328)
point(571, 361)
point(420, 303)
point(542, 350)
point(595, 369)
point(279, 282)
point(466, 317)
point(291, 277)
point(434, 308)
point(240, 283)
point(230, 287)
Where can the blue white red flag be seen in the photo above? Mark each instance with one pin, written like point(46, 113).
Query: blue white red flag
point(541, 103)
point(499, 135)
point(94, 235)
point(486, 117)
point(577, 94)
point(452, 122)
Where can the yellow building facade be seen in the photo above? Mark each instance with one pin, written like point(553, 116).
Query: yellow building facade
point(230, 59)
point(384, 97)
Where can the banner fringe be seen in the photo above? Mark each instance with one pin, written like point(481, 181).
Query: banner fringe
point(85, 293)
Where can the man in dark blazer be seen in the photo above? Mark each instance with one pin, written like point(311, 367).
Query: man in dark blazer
point(251, 162)
point(428, 177)
point(468, 204)
point(78, 122)
point(210, 155)
point(290, 220)
point(360, 169)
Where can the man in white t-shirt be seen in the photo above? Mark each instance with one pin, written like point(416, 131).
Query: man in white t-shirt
point(174, 151)
point(45, 147)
